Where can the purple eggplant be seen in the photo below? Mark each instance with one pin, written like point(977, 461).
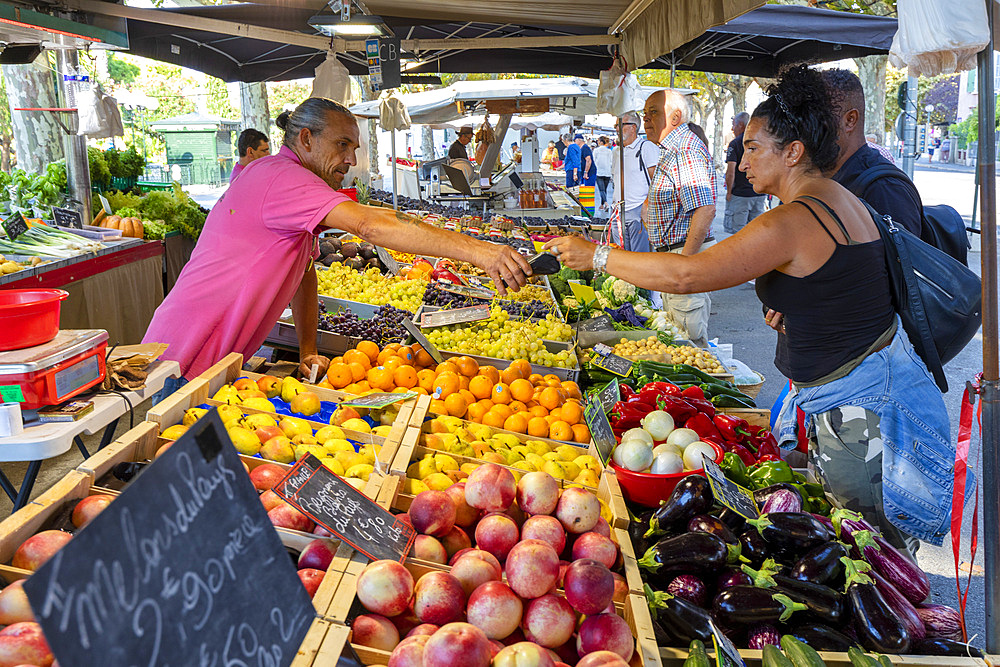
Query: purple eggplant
point(822, 602)
point(637, 528)
point(754, 548)
point(683, 554)
point(899, 604)
point(706, 523)
point(733, 578)
point(747, 605)
point(884, 558)
point(736, 521)
point(821, 637)
point(941, 646)
point(691, 496)
point(689, 587)
point(877, 625)
point(675, 620)
point(821, 565)
point(794, 532)
point(760, 496)
point(761, 635)
point(782, 500)
point(940, 621)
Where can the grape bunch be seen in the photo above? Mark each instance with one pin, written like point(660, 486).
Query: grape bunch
point(521, 309)
point(435, 296)
point(384, 328)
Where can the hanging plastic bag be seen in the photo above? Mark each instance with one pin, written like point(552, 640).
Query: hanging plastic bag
point(98, 114)
point(618, 90)
point(332, 81)
point(937, 37)
point(392, 111)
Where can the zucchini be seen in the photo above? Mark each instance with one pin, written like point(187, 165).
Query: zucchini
point(697, 656)
point(801, 655)
point(727, 401)
point(860, 659)
point(773, 657)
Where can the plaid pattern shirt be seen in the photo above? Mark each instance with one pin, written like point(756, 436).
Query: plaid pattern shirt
point(683, 181)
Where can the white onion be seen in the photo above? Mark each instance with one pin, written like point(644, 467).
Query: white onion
point(659, 449)
point(635, 456)
point(682, 437)
point(694, 452)
point(667, 463)
point(637, 434)
point(658, 424)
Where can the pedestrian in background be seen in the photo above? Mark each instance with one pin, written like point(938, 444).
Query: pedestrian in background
point(602, 159)
point(641, 156)
point(588, 170)
point(561, 147)
point(572, 164)
point(252, 145)
point(743, 204)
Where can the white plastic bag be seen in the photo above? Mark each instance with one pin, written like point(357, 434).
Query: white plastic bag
point(937, 37)
point(392, 111)
point(332, 81)
point(618, 91)
point(98, 114)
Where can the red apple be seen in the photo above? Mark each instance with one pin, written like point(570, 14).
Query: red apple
point(473, 572)
point(538, 493)
point(523, 654)
point(438, 598)
point(24, 644)
point(432, 513)
point(14, 606)
point(605, 632)
point(38, 548)
point(385, 587)
point(545, 528)
point(269, 499)
point(532, 568)
point(311, 579)
point(423, 629)
point(465, 514)
point(317, 555)
point(374, 631)
point(490, 487)
point(497, 534)
point(578, 510)
point(456, 540)
point(495, 609)
point(286, 516)
point(88, 508)
point(602, 527)
point(549, 621)
point(602, 659)
point(266, 475)
point(409, 652)
point(621, 587)
point(596, 546)
point(427, 548)
point(589, 586)
point(458, 645)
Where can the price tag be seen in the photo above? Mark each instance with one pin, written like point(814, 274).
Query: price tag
point(726, 653)
point(105, 204)
point(611, 362)
point(471, 292)
point(14, 226)
point(609, 395)
point(378, 401)
point(388, 261)
point(346, 512)
point(11, 393)
point(168, 583)
point(442, 318)
point(600, 428)
point(422, 339)
point(66, 217)
point(599, 323)
point(728, 492)
point(583, 293)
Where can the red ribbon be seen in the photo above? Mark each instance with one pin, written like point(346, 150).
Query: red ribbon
point(958, 498)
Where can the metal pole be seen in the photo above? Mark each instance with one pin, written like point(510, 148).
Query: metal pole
point(620, 196)
point(910, 126)
point(991, 360)
point(673, 72)
point(74, 146)
point(395, 203)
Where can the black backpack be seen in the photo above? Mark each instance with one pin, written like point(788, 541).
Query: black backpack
point(942, 226)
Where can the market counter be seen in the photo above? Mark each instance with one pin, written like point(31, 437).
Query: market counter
point(118, 289)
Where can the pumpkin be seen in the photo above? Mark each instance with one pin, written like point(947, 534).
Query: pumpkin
point(111, 222)
point(131, 227)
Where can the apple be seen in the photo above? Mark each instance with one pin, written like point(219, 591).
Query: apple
point(14, 605)
point(266, 475)
point(293, 426)
point(465, 514)
point(490, 488)
point(473, 572)
point(270, 385)
point(409, 652)
point(317, 555)
point(497, 534)
point(602, 659)
point(305, 403)
point(24, 644)
point(269, 499)
point(286, 516)
point(311, 578)
point(532, 568)
point(607, 632)
point(374, 631)
point(456, 540)
point(589, 586)
point(278, 448)
point(545, 528)
point(578, 510)
point(602, 527)
point(423, 629)
point(385, 587)
point(537, 493)
point(458, 645)
point(549, 621)
point(427, 548)
point(438, 598)
point(38, 548)
point(596, 546)
point(523, 654)
point(621, 587)
point(432, 513)
point(88, 508)
point(495, 609)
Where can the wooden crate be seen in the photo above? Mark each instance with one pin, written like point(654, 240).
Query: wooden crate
point(138, 444)
point(755, 416)
point(671, 657)
point(310, 646)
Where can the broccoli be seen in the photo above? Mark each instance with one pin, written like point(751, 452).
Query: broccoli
point(599, 282)
point(559, 284)
point(567, 273)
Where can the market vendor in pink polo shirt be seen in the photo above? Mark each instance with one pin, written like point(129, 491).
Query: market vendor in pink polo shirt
point(255, 254)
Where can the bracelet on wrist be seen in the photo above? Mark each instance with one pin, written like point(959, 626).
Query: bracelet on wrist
point(600, 260)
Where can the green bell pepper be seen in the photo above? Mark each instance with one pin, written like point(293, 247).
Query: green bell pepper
point(821, 506)
point(735, 470)
point(815, 490)
point(799, 477)
point(770, 472)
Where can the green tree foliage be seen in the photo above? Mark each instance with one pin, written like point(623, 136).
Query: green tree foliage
point(218, 100)
point(120, 71)
point(174, 91)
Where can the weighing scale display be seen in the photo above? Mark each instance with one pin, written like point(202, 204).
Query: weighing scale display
point(70, 379)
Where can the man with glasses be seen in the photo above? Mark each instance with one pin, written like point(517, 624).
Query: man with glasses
point(458, 150)
point(680, 205)
point(641, 156)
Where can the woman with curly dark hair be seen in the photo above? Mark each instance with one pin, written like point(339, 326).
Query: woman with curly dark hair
point(820, 270)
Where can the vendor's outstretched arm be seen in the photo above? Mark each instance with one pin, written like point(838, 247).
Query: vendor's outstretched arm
point(401, 231)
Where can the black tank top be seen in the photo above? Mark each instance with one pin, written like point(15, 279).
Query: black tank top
point(834, 314)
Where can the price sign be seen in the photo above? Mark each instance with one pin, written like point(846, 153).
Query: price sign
point(728, 492)
point(599, 323)
point(14, 226)
point(726, 653)
point(346, 512)
point(611, 362)
point(471, 292)
point(442, 318)
point(609, 395)
point(105, 204)
point(388, 261)
point(378, 401)
point(11, 393)
point(422, 339)
point(600, 428)
point(166, 583)
point(66, 217)
point(583, 293)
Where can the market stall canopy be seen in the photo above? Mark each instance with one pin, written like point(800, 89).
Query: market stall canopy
point(23, 31)
point(938, 39)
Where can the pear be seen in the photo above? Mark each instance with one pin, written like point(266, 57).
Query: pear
point(464, 435)
point(305, 403)
point(508, 439)
point(539, 447)
point(568, 452)
point(357, 424)
point(348, 459)
point(173, 432)
point(523, 465)
point(293, 426)
point(259, 404)
point(315, 450)
point(228, 413)
point(587, 478)
point(369, 452)
point(462, 449)
point(535, 460)
point(552, 456)
point(191, 415)
point(456, 475)
point(304, 439)
point(382, 431)
point(522, 451)
point(414, 486)
point(556, 469)
point(572, 469)
point(494, 457)
point(279, 449)
point(444, 463)
point(606, 512)
point(334, 445)
point(481, 431)
point(437, 482)
point(227, 395)
point(589, 462)
point(358, 484)
point(244, 440)
point(328, 432)
point(452, 423)
point(512, 456)
point(360, 471)
point(469, 467)
point(333, 464)
point(257, 420)
point(290, 387)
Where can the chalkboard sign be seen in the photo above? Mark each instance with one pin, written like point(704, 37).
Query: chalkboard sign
point(728, 492)
point(609, 395)
point(726, 653)
point(378, 401)
point(105, 205)
point(66, 217)
point(388, 261)
point(422, 339)
point(599, 323)
point(14, 225)
point(600, 428)
point(611, 362)
point(346, 512)
point(183, 568)
point(443, 318)
point(471, 292)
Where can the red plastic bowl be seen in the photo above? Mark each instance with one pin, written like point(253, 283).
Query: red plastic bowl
point(647, 489)
point(29, 317)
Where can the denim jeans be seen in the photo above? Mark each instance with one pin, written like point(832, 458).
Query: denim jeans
point(169, 387)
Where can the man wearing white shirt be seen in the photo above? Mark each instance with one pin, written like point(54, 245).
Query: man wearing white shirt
point(602, 159)
point(641, 156)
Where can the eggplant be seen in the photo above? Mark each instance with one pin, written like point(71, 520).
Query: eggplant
point(821, 637)
point(877, 625)
point(940, 621)
point(706, 523)
point(747, 605)
point(761, 635)
point(683, 554)
point(782, 500)
point(637, 528)
point(733, 577)
point(899, 604)
point(822, 602)
point(822, 565)
point(941, 646)
point(754, 548)
point(791, 531)
point(689, 587)
point(677, 619)
point(760, 496)
point(736, 521)
point(691, 496)
point(896, 567)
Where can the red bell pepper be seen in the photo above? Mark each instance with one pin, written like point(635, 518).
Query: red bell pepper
point(768, 445)
point(731, 428)
point(768, 457)
point(625, 392)
point(701, 405)
point(660, 389)
point(678, 408)
point(702, 425)
point(693, 391)
point(744, 454)
point(628, 415)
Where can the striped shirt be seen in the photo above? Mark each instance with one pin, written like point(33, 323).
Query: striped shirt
point(684, 180)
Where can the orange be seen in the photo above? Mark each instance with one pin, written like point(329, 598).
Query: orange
point(476, 411)
point(425, 378)
point(423, 359)
point(392, 363)
point(572, 389)
point(323, 383)
point(491, 372)
point(405, 376)
point(500, 393)
point(557, 414)
point(492, 418)
point(447, 366)
point(571, 412)
point(480, 386)
point(535, 379)
point(393, 347)
point(463, 382)
point(358, 357)
point(502, 409)
point(469, 397)
point(538, 411)
point(445, 384)
point(516, 423)
point(400, 390)
point(406, 354)
point(522, 365)
point(552, 376)
point(358, 372)
point(554, 382)
point(581, 433)
point(339, 375)
point(380, 377)
point(467, 366)
point(550, 399)
point(518, 406)
point(456, 405)
point(369, 349)
point(510, 374)
point(363, 386)
point(561, 431)
point(421, 390)
point(522, 390)
point(538, 427)
point(385, 354)
point(337, 360)
point(438, 407)
point(551, 419)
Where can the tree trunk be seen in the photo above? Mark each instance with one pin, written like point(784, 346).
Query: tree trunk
point(427, 143)
point(871, 71)
point(37, 135)
point(719, 110)
point(253, 106)
point(739, 91)
point(6, 163)
point(367, 94)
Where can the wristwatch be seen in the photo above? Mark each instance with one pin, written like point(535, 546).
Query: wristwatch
point(601, 258)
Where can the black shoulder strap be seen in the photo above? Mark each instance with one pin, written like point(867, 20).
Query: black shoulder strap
point(820, 221)
point(642, 164)
point(860, 184)
point(832, 214)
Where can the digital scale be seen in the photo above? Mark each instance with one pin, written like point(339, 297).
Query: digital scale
point(53, 372)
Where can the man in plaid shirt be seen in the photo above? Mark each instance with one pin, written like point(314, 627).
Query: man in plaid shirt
point(680, 206)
